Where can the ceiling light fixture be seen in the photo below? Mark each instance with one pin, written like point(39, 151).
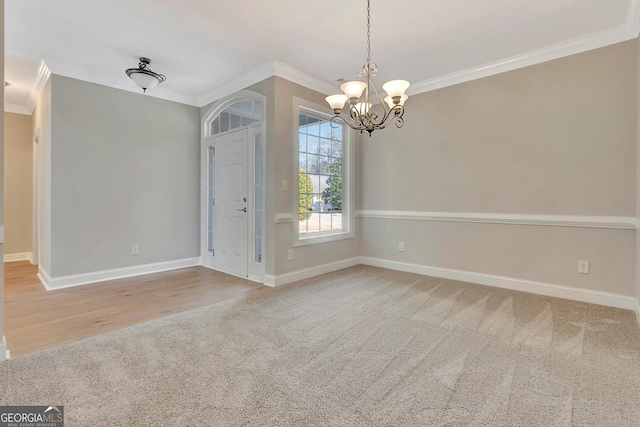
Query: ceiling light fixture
point(143, 76)
point(361, 117)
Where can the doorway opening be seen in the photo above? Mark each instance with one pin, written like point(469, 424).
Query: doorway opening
point(232, 186)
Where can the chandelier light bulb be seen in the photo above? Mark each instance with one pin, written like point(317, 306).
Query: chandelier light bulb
point(336, 102)
point(353, 90)
point(395, 87)
point(392, 104)
point(362, 108)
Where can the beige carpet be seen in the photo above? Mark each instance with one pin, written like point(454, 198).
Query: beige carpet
point(360, 347)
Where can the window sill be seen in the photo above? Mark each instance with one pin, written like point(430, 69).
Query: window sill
point(323, 238)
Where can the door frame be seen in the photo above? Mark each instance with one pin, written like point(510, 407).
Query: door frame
point(256, 271)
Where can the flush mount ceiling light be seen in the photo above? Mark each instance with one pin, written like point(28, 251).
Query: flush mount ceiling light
point(361, 117)
point(143, 76)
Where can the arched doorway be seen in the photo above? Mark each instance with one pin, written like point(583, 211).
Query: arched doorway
point(232, 187)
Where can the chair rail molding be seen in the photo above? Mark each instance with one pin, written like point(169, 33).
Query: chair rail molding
point(584, 221)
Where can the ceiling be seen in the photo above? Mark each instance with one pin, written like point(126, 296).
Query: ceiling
point(203, 46)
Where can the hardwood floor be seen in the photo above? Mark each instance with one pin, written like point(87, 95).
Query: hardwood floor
point(36, 319)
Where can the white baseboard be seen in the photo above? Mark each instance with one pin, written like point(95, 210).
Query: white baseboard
point(547, 289)
point(24, 256)
point(284, 279)
point(4, 353)
point(51, 283)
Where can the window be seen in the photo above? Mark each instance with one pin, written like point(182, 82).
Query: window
point(324, 178)
point(236, 116)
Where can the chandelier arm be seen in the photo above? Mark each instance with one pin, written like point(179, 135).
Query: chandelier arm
point(335, 119)
point(382, 103)
point(358, 119)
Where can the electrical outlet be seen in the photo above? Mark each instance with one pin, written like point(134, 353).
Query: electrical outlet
point(583, 267)
point(285, 185)
point(135, 249)
point(290, 254)
point(401, 246)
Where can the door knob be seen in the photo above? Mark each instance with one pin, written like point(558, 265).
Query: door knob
point(242, 210)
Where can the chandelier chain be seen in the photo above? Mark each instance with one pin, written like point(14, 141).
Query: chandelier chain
point(368, 32)
point(362, 117)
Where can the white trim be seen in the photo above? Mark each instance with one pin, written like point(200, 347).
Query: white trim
point(206, 139)
point(610, 222)
point(51, 283)
point(522, 285)
point(270, 69)
point(281, 218)
point(126, 85)
point(44, 277)
point(307, 273)
point(242, 82)
point(16, 109)
point(538, 56)
point(4, 353)
point(303, 79)
point(25, 256)
point(42, 76)
point(348, 178)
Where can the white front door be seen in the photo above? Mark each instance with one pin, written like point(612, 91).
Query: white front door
point(230, 207)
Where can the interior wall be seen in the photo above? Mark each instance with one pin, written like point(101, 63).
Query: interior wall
point(42, 136)
point(125, 171)
point(285, 146)
point(637, 260)
point(18, 179)
point(280, 144)
point(3, 345)
point(2, 340)
point(558, 138)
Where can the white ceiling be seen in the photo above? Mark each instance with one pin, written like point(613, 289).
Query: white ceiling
point(202, 45)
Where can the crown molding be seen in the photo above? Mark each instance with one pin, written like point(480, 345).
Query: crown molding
point(620, 34)
point(303, 79)
point(270, 69)
point(626, 32)
point(160, 93)
point(42, 76)
point(16, 108)
point(242, 82)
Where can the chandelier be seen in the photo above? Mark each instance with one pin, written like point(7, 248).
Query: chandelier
point(143, 76)
point(359, 94)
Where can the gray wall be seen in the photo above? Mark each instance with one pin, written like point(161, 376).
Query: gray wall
point(637, 259)
point(125, 170)
point(42, 132)
point(280, 146)
point(557, 138)
point(18, 183)
point(286, 143)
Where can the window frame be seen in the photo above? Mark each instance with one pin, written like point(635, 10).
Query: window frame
point(348, 181)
